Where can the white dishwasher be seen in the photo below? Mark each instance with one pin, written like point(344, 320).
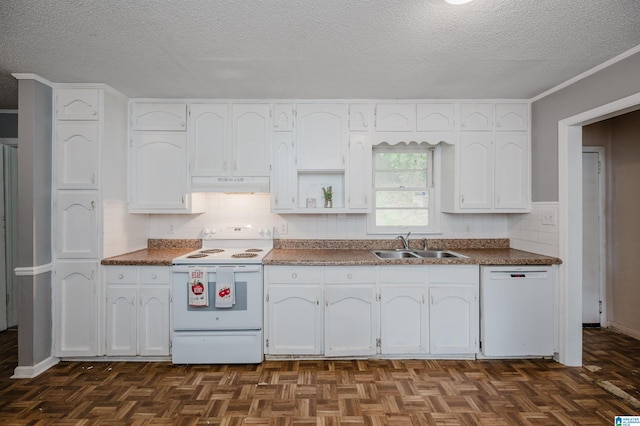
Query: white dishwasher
point(517, 311)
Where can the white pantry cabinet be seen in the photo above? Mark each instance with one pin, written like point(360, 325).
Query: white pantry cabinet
point(76, 225)
point(77, 154)
point(75, 309)
point(158, 174)
point(294, 311)
point(138, 311)
point(454, 319)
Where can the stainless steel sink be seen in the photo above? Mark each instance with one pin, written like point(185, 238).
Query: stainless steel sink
point(415, 254)
point(394, 254)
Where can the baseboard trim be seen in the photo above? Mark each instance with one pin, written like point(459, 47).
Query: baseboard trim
point(625, 330)
point(30, 372)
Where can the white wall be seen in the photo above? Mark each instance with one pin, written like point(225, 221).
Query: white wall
point(240, 209)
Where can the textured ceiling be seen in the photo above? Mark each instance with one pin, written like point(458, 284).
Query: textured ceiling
point(312, 48)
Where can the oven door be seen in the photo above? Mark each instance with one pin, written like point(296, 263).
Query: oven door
point(244, 314)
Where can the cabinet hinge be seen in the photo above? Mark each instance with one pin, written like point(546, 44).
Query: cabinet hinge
point(599, 166)
point(267, 343)
point(600, 306)
point(267, 297)
point(378, 297)
point(378, 343)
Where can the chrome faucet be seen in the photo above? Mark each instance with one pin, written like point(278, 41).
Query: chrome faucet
point(405, 240)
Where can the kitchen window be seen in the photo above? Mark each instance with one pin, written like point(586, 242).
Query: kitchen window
point(403, 188)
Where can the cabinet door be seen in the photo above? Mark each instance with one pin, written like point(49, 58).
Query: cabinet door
point(121, 320)
point(153, 321)
point(321, 137)
point(395, 117)
point(283, 183)
point(158, 116)
point(351, 320)
point(436, 117)
point(251, 140)
point(158, 171)
point(76, 309)
point(476, 171)
point(510, 117)
point(359, 173)
point(77, 155)
point(77, 225)
point(511, 179)
point(453, 319)
point(403, 319)
point(283, 117)
point(475, 117)
point(209, 140)
point(78, 104)
point(294, 320)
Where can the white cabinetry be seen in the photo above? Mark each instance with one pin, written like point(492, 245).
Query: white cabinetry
point(404, 321)
point(251, 142)
point(321, 136)
point(76, 225)
point(294, 311)
point(76, 310)
point(283, 176)
point(158, 116)
point(209, 140)
point(77, 155)
point(489, 169)
point(78, 103)
point(395, 117)
point(454, 322)
point(359, 173)
point(137, 311)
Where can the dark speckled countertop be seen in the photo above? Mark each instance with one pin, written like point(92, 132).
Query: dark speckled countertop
point(159, 252)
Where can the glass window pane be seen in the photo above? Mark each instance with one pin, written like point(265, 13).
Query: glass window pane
point(398, 199)
point(400, 160)
point(406, 179)
point(406, 217)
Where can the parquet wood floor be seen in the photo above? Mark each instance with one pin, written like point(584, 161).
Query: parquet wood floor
point(324, 393)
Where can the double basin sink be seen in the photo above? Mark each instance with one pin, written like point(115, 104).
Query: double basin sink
point(415, 254)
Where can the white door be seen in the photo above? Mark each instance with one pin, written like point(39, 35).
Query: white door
point(359, 190)
point(321, 138)
point(476, 171)
point(77, 155)
point(403, 319)
point(350, 325)
point(121, 320)
point(77, 225)
point(153, 321)
point(453, 319)
point(283, 184)
point(511, 165)
point(295, 320)
point(592, 224)
point(8, 282)
point(209, 140)
point(251, 145)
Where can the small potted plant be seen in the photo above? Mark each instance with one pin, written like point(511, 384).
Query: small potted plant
point(327, 193)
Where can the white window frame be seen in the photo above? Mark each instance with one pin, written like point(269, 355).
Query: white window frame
point(434, 193)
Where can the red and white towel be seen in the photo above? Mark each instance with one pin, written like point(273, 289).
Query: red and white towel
point(198, 288)
point(225, 288)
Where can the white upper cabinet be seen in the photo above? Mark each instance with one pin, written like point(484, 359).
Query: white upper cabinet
point(359, 117)
point(78, 104)
point(511, 176)
point(476, 170)
point(251, 147)
point(209, 146)
point(283, 117)
point(321, 136)
point(436, 117)
point(512, 117)
point(76, 225)
point(395, 117)
point(359, 173)
point(158, 116)
point(158, 173)
point(77, 155)
point(475, 117)
point(283, 176)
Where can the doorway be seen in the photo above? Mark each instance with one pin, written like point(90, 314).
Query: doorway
point(8, 232)
point(593, 237)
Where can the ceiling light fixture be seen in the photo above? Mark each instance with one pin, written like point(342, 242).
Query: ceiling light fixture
point(457, 1)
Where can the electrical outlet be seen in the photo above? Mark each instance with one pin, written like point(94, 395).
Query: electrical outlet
point(549, 217)
point(283, 228)
point(171, 229)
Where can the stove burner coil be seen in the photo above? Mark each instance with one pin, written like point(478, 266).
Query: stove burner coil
point(212, 251)
point(196, 255)
point(243, 255)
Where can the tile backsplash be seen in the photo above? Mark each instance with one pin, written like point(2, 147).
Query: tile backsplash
point(537, 231)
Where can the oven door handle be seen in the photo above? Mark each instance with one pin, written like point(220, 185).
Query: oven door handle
point(213, 269)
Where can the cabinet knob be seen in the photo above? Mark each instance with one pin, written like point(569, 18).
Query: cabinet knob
point(154, 276)
point(294, 275)
point(349, 276)
point(120, 276)
point(499, 124)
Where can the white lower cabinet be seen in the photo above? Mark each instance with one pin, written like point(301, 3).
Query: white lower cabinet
point(387, 310)
point(76, 309)
point(454, 322)
point(137, 313)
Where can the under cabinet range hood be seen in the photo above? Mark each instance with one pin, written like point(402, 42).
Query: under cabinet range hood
point(229, 184)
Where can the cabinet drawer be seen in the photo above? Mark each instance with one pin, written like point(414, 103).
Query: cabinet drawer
point(122, 274)
point(155, 275)
point(403, 274)
point(309, 275)
point(454, 274)
point(348, 275)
